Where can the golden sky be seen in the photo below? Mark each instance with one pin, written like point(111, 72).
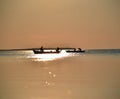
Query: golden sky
point(64, 23)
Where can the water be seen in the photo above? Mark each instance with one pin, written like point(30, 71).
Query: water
point(91, 75)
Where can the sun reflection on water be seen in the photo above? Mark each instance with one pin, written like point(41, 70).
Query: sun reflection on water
point(50, 80)
point(50, 57)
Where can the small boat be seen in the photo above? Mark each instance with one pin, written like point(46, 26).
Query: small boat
point(45, 52)
point(57, 50)
point(76, 51)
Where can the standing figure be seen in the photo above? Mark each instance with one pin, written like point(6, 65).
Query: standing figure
point(41, 49)
point(57, 50)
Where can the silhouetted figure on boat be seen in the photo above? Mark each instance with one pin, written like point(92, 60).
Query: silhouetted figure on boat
point(41, 49)
point(79, 49)
point(57, 50)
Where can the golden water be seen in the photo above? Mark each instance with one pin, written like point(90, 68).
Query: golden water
point(76, 77)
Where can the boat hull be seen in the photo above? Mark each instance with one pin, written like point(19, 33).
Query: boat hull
point(75, 51)
point(39, 52)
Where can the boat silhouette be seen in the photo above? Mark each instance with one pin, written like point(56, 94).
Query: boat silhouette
point(76, 51)
point(42, 51)
point(47, 52)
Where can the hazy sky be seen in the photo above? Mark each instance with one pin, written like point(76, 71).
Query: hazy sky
point(64, 23)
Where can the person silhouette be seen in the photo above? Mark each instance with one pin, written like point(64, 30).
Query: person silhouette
point(57, 50)
point(41, 49)
point(80, 49)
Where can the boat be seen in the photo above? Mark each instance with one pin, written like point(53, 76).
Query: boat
point(43, 51)
point(76, 51)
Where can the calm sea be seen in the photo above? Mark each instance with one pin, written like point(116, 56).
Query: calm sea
point(94, 74)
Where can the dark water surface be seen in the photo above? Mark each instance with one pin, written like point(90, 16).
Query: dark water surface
point(92, 75)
